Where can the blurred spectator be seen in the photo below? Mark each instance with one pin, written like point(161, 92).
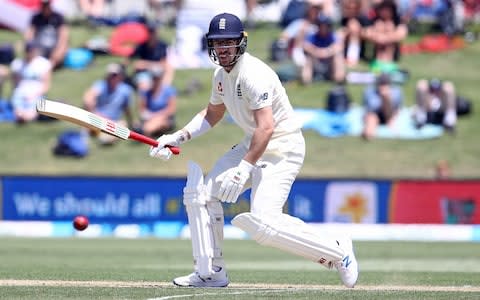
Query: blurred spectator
point(290, 42)
point(294, 11)
point(422, 10)
point(382, 102)
point(468, 17)
point(324, 53)
point(31, 80)
point(385, 34)
point(93, 9)
point(436, 103)
point(111, 98)
point(152, 54)
point(158, 106)
point(163, 11)
point(7, 55)
point(353, 23)
point(48, 30)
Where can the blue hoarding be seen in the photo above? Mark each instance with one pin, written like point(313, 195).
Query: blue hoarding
point(115, 200)
point(149, 199)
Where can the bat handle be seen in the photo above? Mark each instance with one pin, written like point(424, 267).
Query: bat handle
point(149, 141)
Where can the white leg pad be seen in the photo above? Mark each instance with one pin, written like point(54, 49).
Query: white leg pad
point(291, 235)
point(215, 210)
point(194, 200)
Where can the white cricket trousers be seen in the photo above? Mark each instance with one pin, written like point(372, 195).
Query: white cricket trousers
point(272, 177)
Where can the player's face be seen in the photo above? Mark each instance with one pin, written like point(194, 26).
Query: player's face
point(226, 51)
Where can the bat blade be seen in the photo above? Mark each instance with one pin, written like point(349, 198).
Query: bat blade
point(92, 121)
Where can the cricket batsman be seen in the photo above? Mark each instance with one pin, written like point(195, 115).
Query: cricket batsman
point(267, 160)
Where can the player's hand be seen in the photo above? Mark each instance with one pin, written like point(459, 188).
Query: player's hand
point(163, 152)
point(234, 182)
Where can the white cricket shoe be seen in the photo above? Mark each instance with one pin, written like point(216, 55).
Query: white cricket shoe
point(348, 266)
point(218, 279)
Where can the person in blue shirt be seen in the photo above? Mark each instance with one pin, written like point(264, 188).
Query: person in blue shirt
point(158, 106)
point(111, 98)
point(382, 101)
point(324, 53)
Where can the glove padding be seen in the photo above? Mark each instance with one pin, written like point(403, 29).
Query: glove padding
point(163, 152)
point(234, 181)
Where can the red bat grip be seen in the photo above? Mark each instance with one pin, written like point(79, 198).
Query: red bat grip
point(149, 141)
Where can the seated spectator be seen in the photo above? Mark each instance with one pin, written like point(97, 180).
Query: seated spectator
point(31, 80)
point(324, 53)
point(48, 29)
point(158, 106)
point(7, 55)
point(110, 98)
point(291, 38)
point(436, 103)
point(382, 102)
point(152, 54)
point(385, 34)
point(353, 23)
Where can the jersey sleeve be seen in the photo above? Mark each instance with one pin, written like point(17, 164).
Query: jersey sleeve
point(217, 89)
point(258, 89)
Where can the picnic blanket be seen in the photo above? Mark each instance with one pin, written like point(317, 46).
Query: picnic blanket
point(333, 125)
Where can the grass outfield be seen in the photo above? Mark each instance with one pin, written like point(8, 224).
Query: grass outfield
point(27, 149)
point(80, 268)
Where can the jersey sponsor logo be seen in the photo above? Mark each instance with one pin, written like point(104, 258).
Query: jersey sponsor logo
point(263, 97)
point(222, 23)
point(219, 88)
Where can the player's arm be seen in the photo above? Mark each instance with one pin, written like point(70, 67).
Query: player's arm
point(262, 134)
point(214, 113)
point(200, 124)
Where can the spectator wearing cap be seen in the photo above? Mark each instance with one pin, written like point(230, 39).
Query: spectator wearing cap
point(153, 53)
point(31, 80)
point(382, 102)
point(436, 103)
point(48, 29)
point(324, 53)
point(111, 98)
point(158, 106)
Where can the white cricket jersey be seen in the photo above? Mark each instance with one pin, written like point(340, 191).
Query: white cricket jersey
point(249, 86)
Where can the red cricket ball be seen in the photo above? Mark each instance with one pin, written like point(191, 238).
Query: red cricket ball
point(80, 223)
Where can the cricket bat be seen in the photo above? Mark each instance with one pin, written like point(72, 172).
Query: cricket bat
point(92, 121)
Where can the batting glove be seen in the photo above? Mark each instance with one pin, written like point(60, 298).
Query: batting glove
point(234, 181)
point(163, 152)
